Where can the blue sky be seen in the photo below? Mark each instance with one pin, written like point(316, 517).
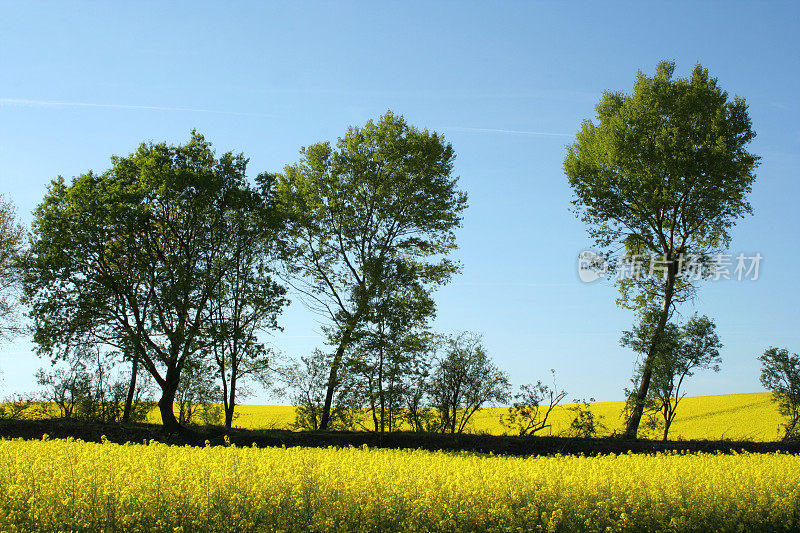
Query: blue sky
point(507, 83)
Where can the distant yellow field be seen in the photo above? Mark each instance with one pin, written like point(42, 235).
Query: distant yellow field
point(751, 416)
point(264, 416)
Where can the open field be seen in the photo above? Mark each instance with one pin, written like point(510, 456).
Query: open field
point(741, 417)
point(66, 485)
point(751, 416)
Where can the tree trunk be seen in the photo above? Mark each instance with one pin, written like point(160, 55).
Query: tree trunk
point(641, 394)
point(374, 410)
point(332, 377)
point(230, 404)
point(126, 413)
point(667, 424)
point(165, 405)
point(789, 434)
point(380, 388)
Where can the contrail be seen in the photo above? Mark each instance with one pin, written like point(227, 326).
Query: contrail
point(46, 103)
point(516, 132)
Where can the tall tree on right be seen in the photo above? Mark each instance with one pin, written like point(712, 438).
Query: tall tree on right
point(664, 174)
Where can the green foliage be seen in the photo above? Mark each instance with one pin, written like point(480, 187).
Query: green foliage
point(780, 373)
point(682, 350)
point(665, 169)
point(88, 388)
point(418, 413)
point(66, 387)
point(379, 366)
point(383, 202)
point(132, 257)
point(308, 380)
point(463, 380)
point(12, 240)
point(585, 423)
point(198, 396)
point(532, 406)
point(392, 350)
point(247, 300)
point(370, 223)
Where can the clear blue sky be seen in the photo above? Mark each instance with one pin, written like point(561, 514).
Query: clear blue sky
point(507, 83)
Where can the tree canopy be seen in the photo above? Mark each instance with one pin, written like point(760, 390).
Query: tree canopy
point(664, 173)
point(132, 257)
point(377, 210)
point(780, 373)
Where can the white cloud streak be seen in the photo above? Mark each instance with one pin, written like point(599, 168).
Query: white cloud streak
point(513, 132)
point(48, 103)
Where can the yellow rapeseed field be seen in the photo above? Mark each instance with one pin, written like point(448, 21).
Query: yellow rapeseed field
point(66, 485)
point(752, 416)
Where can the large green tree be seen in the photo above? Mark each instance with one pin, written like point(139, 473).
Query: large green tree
point(133, 257)
point(384, 198)
point(664, 174)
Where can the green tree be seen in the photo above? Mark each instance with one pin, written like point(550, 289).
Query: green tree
point(663, 174)
point(532, 407)
point(247, 300)
point(90, 387)
point(391, 343)
point(383, 199)
point(65, 386)
point(585, 423)
point(780, 373)
point(12, 241)
point(682, 351)
point(308, 380)
point(383, 365)
point(463, 380)
point(132, 257)
point(198, 395)
point(417, 410)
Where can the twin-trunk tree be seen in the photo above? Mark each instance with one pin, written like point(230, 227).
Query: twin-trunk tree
point(683, 350)
point(663, 175)
point(363, 216)
point(143, 258)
